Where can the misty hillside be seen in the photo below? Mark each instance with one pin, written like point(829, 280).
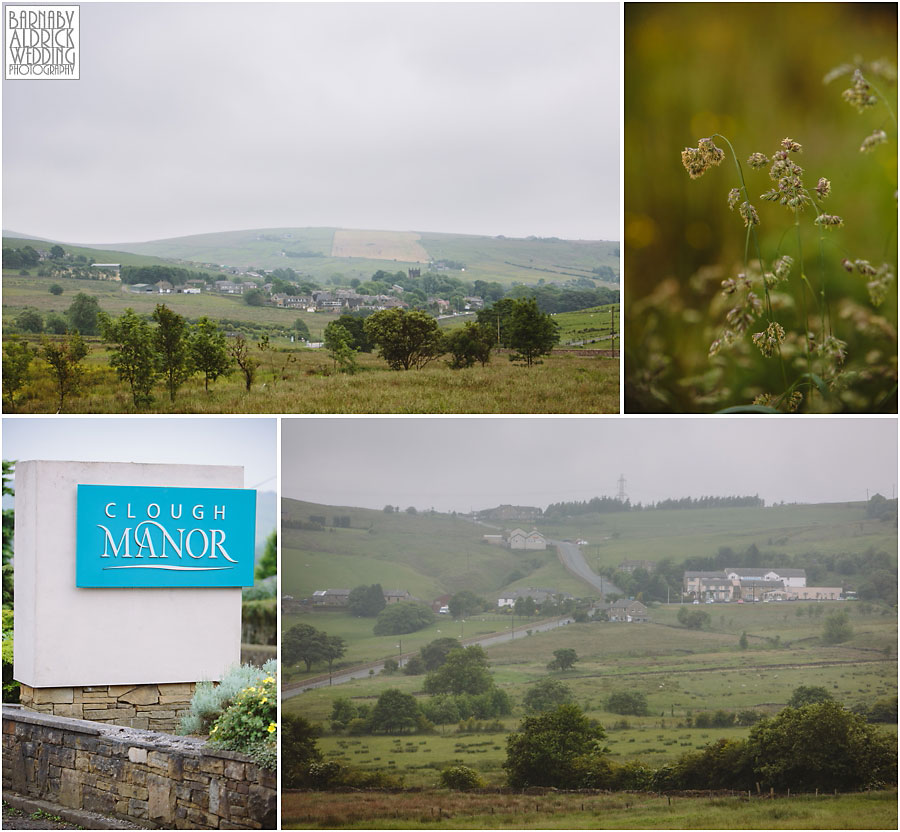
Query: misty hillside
point(320, 252)
point(432, 554)
point(426, 554)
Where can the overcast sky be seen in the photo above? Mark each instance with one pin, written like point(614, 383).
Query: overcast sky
point(474, 463)
point(484, 118)
point(250, 442)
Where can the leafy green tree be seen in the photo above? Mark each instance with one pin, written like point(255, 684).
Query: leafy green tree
point(298, 750)
point(473, 342)
point(9, 525)
point(627, 702)
point(461, 778)
point(434, 654)
point(497, 318)
point(17, 357)
point(342, 712)
point(531, 333)
point(64, 358)
point(333, 648)
point(465, 603)
point(742, 641)
point(561, 748)
point(404, 339)
point(208, 351)
point(338, 343)
point(546, 694)
point(563, 659)
point(366, 601)
point(29, 320)
point(413, 667)
point(255, 297)
point(247, 364)
point(821, 746)
point(268, 563)
point(170, 340)
point(56, 289)
point(301, 329)
point(808, 695)
point(394, 711)
point(84, 314)
point(55, 324)
point(355, 325)
point(465, 670)
point(405, 617)
point(304, 643)
point(837, 627)
point(132, 354)
point(693, 619)
point(57, 252)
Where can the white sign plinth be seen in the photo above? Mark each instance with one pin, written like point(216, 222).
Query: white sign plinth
point(66, 636)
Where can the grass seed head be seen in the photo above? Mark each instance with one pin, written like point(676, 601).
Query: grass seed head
point(859, 95)
point(828, 221)
point(872, 141)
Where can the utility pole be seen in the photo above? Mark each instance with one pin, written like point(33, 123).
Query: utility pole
point(621, 496)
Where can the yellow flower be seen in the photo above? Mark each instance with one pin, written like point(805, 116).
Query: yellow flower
point(272, 727)
point(263, 700)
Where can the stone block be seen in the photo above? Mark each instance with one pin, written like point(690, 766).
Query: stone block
point(234, 770)
point(110, 714)
point(218, 799)
point(262, 805)
point(119, 690)
point(53, 696)
point(141, 695)
point(137, 808)
point(70, 789)
point(59, 756)
point(82, 761)
point(137, 755)
point(184, 689)
point(72, 711)
point(210, 765)
point(140, 722)
point(96, 800)
point(161, 799)
point(176, 764)
point(131, 791)
point(158, 760)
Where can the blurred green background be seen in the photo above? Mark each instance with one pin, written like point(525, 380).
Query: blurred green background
point(753, 72)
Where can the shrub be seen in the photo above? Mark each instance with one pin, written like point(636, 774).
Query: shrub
point(249, 724)
point(461, 778)
point(633, 703)
point(210, 700)
point(547, 694)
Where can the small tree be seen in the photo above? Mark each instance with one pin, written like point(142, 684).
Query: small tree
point(84, 314)
point(434, 654)
point(247, 364)
point(404, 617)
point(366, 601)
point(808, 695)
point(268, 563)
point(531, 333)
point(473, 342)
point(56, 289)
point(55, 324)
point(742, 642)
point(394, 711)
point(57, 252)
point(132, 354)
point(304, 643)
point(29, 320)
point(465, 670)
point(171, 342)
point(405, 339)
point(208, 351)
point(64, 358)
point(561, 748)
point(298, 750)
point(627, 702)
point(464, 603)
point(546, 694)
point(17, 356)
point(564, 659)
point(338, 343)
point(837, 627)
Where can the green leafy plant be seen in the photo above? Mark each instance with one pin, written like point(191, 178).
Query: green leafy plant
point(461, 778)
point(250, 723)
point(210, 699)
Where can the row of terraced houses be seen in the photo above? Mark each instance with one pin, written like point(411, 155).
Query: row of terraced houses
point(756, 584)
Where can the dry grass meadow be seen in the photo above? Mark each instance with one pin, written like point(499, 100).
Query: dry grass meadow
point(403, 246)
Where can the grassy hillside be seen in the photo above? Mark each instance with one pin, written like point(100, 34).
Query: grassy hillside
point(677, 534)
point(505, 260)
point(427, 554)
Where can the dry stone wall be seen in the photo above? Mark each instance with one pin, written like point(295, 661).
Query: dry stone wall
point(159, 781)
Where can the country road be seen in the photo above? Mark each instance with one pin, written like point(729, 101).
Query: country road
point(571, 558)
point(362, 671)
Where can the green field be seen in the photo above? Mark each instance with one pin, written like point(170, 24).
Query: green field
point(681, 672)
point(459, 810)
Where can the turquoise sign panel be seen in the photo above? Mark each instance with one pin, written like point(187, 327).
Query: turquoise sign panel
point(147, 536)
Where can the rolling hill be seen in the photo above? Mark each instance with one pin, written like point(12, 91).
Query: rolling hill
point(322, 252)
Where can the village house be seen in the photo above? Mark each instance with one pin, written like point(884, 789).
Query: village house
point(331, 597)
point(630, 565)
point(533, 540)
point(627, 611)
point(508, 599)
point(395, 596)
